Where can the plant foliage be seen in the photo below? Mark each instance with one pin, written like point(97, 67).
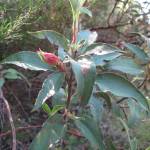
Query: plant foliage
point(100, 72)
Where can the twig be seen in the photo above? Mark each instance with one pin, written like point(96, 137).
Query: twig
point(110, 26)
point(19, 129)
point(109, 17)
point(10, 120)
point(75, 132)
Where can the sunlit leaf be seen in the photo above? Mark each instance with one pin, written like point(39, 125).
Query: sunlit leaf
point(27, 60)
point(100, 53)
point(56, 108)
point(148, 148)
point(50, 86)
point(119, 86)
point(53, 37)
point(46, 108)
point(84, 10)
point(98, 48)
point(76, 5)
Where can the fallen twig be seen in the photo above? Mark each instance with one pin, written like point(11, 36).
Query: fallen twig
point(19, 129)
point(10, 120)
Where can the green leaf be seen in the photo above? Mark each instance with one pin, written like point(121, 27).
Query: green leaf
point(46, 108)
point(139, 53)
point(124, 65)
point(101, 60)
point(98, 48)
point(76, 67)
point(148, 148)
point(91, 131)
point(53, 111)
point(89, 73)
point(104, 96)
point(11, 74)
point(100, 53)
point(85, 73)
point(76, 5)
point(2, 81)
point(27, 60)
point(53, 37)
point(84, 10)
point(50, 86)
point(56, 108)
point(51, 132)
point(96, 107)
point(119, 86)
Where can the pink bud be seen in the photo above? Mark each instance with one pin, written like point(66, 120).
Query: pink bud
point(52, 59)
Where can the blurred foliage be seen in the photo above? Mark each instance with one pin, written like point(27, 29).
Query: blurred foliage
point(19, 16)
point(15, 14)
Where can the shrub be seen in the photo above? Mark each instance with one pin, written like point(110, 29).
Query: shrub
point(86, 78)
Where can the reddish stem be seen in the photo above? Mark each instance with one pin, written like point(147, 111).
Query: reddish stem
point(69, 90)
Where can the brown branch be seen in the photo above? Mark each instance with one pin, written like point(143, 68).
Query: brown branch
point(10, 120)
point(110, 26)
point(19, 129)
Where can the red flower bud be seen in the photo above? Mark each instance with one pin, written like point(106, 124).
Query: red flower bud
point(52, 59)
